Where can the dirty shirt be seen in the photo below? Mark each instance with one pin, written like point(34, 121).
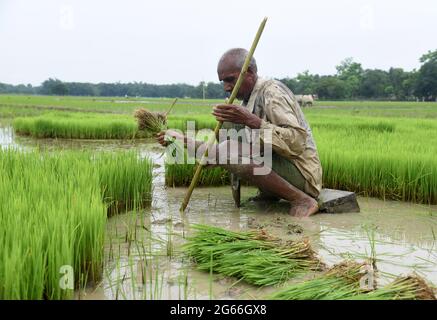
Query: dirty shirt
point(291, 135)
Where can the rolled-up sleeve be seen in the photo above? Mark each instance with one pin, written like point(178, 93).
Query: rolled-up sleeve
point(286, 136)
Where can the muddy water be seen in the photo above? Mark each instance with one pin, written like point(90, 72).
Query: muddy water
point(144, 260)
point(6, 136)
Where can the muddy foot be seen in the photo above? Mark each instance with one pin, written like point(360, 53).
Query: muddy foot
point(304, 208)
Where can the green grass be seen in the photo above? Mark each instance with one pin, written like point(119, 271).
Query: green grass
point(103, 104)
point(77, 126)
point(68, 125)
point(125, 180)
point(250, 256)
point(51, 214)
point(376, 148)
point(181, 175)
point(340, 282)
point(389, 158)
point(202, 121)
point(388, 109)
point(381, 157)
point(53, 211)
point(403, 288)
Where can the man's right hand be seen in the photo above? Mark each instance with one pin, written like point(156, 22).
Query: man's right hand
point(161, 137)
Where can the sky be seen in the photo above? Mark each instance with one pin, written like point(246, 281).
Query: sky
point(180, 41)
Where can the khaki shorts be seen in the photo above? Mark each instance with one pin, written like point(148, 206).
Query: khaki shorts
point(287, 170)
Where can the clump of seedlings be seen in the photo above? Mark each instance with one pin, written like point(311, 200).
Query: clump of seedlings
point(153, 122)
point(78, 126)
point(411, 287)
point(125, 180)
point(339, 282)
point(252, 256)
point(180, 174)
point(156, 122)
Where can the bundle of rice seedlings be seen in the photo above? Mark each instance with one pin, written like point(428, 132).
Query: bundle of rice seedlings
point(153, 122)
point(252, 256)
point(339, 282)
point(410, 287)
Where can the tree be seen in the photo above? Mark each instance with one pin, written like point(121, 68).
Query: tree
point(374, 84)
point(54, 87)
point(215, 91)
point(426, 84)
point(291, 83)
point(351, 73)
point(306, 83)
point(430, 56)
point(398, 85)
point(331, 87)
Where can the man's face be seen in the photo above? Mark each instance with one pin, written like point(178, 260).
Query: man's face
point(229, 77)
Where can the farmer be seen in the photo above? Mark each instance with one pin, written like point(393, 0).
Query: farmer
point(296, 173)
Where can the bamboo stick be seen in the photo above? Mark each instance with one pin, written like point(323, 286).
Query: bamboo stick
point(171, 107)
point(212, 139)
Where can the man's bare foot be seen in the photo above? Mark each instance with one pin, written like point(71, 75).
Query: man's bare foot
point(304, 208)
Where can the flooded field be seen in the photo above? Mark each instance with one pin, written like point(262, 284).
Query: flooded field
point(143, 259)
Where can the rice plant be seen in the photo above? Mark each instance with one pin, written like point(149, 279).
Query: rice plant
point(382, 149)
point(77, 126)
point(51, 215)
point(251, 256)
point(181, 175)
point(68, 125)
point(153, 122)
point(339, 282)
point(410, 287)
point(390, 158)
point(125, 180)
point(53, 210)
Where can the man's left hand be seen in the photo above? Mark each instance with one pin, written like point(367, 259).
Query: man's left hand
point(236, 114)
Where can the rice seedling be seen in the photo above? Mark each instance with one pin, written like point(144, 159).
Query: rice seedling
point(181, 174)
point(410, 287)
point(153, 122)
point(377, 158)
point(68, 125)
point(77, 126)
point(101, 104)
point(381, 149)
point(125, 180)
point(51, 216)
point(251, 256)
point(339, 282)
point(53, 210)
point(198, 121)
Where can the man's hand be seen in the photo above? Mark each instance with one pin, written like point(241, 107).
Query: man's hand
point(236, 114)
point(161, 137)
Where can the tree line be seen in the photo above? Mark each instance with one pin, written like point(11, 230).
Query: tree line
point(353, 82)
point(136, 89)
point(350, 82)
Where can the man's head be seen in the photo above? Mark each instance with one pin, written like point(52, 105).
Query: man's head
point(229, 68)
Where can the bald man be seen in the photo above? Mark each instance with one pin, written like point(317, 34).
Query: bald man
point(268, 105)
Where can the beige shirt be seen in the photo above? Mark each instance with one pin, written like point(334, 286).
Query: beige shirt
point(291, 135)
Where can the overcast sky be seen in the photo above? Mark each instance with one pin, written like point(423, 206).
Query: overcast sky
point(175, 41)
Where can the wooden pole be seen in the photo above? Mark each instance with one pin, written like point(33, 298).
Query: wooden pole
point(212, 139)
point(171, 107)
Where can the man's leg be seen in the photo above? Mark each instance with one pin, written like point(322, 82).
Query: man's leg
point(263, 196)
point(302, 205)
